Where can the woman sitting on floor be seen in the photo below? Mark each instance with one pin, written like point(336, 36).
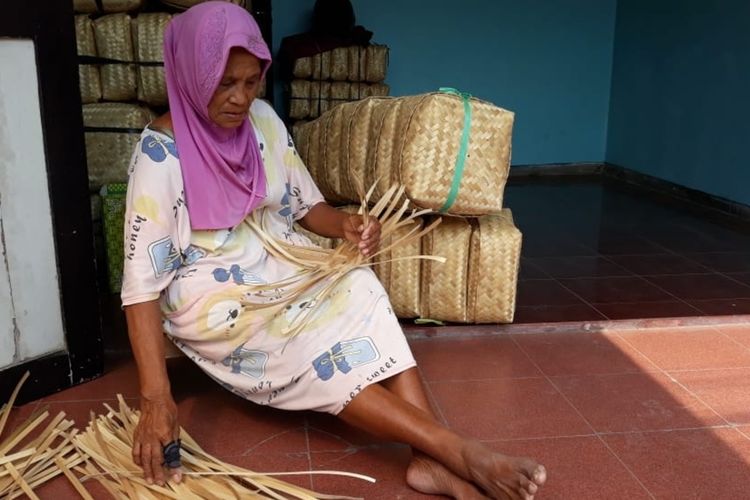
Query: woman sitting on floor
point(217, 159)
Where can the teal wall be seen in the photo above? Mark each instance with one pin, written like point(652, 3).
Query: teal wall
point(549, 61)
point(680, 108)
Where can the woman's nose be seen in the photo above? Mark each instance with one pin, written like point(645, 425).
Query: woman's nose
point(239, 96)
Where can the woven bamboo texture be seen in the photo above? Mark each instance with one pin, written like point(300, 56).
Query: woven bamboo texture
point(109, 6)
point(88, 74)
point(376, 63)
point(108, 152)
point(114, 41)
point(401, 278)
point(444, 286)
point(357, 63)
point(148, 41)
point(302, 67)
point(493, 269)
point(416, 144)
point(478, 282)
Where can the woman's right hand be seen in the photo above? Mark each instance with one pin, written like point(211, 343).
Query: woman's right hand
point(156, 428)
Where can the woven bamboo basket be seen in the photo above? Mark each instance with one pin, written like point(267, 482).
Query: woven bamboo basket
point(302, 67)
point(320, 93)
point(333, 170)
point(299, 99)
point(417, 144)
point(390, 135)
point(360, 117)
point(401, 278)
point(444, 286)
point(111, 133)
point(88, 74)
point(186, 4)
point(376, 63)
point(339, 93)
point(356, 63)
point(339, 64)
point(430, 130)
point(321, 66)
point(493, 269)
point(374, 90)
point(148, 41)
point(298, 131)
point(109, 6)
point(114, 41)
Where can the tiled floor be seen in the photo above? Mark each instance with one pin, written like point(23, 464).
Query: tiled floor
point(656, 413)
point(593, 250)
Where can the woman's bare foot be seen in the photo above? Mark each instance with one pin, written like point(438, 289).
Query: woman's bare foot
point(430, 477)
point(501, 476)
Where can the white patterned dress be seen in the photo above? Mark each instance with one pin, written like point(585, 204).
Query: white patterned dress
point(204, 282)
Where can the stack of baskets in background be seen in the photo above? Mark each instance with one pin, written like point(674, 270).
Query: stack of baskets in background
point(325, 80)
point(122, 84)
point(452, 153)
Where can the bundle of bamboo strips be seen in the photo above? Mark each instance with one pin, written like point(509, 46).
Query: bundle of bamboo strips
point(320, 269)
point(106, 445)
point(26, 462)
point(103, 453)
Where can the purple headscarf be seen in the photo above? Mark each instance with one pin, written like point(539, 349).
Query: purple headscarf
point(222, 169)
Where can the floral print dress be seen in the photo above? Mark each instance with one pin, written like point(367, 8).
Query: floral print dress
point(204, 281)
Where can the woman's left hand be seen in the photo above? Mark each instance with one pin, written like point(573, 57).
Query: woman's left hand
point(366, 238)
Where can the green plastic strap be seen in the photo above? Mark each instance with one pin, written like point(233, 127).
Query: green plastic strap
point(462, 150)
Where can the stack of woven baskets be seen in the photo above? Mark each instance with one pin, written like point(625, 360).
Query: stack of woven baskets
point(325, 80)
point(122, 83)
point(452, 154)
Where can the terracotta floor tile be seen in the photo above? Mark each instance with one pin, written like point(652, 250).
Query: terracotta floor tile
point(565, 458)
point(263, 461)
point(579, 267)
point(607, 290)
point(227, 425)
point(701, 286)
point(328, 433)
point(635, 402)
point(688, 349)
point(472, 359)
point(544, 292)
point(738, 333)
point(722, 307)
point(726, 391)
point(530, 271)
point(61, 489)
point(700, 463)
point(507, 408)
point(724, 262)
point(547, 313)
point(581, 353)
point(78, 411)
point(640, 310)
point(119, 379)
point(627, 245)
point(386, 463)
point(657, 264)
point(543, 246)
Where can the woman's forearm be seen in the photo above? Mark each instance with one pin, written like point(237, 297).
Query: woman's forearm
point(147, 342)
point(325, 220)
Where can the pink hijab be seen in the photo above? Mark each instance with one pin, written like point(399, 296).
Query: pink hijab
point(222, 169)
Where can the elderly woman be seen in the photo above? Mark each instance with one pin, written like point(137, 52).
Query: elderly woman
point(193, 264)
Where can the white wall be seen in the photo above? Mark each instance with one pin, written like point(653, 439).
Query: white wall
point(31, 321)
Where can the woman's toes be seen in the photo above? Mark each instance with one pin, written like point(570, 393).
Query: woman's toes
point(540, 475)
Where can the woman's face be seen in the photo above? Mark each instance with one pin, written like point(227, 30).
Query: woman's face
point(236, 91)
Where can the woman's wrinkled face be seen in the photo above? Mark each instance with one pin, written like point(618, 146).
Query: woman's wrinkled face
point(236, 91)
